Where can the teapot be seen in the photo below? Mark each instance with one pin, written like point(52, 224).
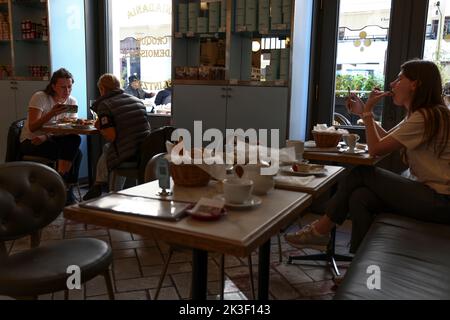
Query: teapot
point(262, 184)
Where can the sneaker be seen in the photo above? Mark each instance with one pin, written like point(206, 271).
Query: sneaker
point(94, 192)
point(308, 237)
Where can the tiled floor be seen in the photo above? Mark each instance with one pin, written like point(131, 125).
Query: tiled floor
point(138, 262)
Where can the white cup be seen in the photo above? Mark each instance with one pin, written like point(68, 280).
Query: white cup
point(299, 147)
point(350, 140)
point(237, 190)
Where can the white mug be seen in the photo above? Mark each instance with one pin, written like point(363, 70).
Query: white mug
point(237, 190)
point(350, 140)
point(299, 147)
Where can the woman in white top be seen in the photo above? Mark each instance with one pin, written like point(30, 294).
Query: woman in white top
point(45, 106)
point(424, 138)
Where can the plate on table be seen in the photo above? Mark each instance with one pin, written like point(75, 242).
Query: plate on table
point(354, 151)
point(82, 126)
point(254, 201)
point(304, 169)
point(206, 216)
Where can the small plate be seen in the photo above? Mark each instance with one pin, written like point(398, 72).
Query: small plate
point(82, 126)
point(206, 216)
point(314, 172)
point(355, 151)
point(252, 202)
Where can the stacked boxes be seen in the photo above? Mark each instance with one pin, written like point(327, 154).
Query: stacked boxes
point(223, 16)
point(202, 24)
point(263, 16)
point(193, 14)
point(240, 16)
point(251, 15)
point(286, 10)
point(272, 72)
point(182, 17)
point(284, 64)
point(276, 13)
point(214, 16)
point(4, 26)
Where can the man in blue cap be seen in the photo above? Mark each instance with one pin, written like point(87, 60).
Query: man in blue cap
point(134, 88)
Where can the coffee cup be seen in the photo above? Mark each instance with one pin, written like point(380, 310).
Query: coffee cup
point(298, 148)
point(350, 140)
point(237, 190)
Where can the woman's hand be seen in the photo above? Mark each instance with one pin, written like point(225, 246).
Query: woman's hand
point(375, 96)
point(354, 104)
point(39, 140)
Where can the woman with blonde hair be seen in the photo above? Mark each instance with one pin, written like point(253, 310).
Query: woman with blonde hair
point(424, 137)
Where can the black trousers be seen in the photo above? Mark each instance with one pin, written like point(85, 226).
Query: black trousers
point(367, 191)
point(58, 148)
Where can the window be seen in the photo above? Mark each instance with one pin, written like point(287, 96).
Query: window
point(141, 42)
point(361, 53)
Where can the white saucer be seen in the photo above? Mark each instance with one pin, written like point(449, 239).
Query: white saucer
point(250, 203)
point(288, 169)
point(354, 151)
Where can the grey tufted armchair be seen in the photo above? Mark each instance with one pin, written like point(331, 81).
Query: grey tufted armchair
point(32, 195)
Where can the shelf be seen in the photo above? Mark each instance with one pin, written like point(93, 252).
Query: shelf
point(194, 35)
point(40, 41)
point(276, 83)
point(31, 3)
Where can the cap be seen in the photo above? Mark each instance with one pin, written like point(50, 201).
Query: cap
point(133, 78)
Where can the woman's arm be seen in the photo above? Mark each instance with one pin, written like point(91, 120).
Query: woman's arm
point(378, 145)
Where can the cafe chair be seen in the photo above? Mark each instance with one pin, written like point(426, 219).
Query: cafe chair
point(150, 175)
point(32, 195)
point(13, 151)
point(154, 143)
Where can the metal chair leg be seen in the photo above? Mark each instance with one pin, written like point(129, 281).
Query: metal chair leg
point(252, 281)
point(163, 274)
point(222, 276)
point(280, 251)
point(109, 284)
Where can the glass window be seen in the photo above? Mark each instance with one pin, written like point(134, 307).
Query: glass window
point(361, 53)
point(142, 42)
point(437, 47)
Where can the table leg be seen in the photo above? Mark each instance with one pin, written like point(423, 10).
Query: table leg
point(264, 271)
point(199, 274)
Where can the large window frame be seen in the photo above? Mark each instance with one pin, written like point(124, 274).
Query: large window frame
point(406, 41)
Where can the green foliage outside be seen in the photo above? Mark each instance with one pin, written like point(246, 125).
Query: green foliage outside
point(360, 84)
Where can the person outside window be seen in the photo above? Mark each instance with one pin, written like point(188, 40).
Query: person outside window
point(134, 89)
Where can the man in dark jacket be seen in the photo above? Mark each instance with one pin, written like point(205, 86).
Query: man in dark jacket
point(122, 121)
point(134, 89)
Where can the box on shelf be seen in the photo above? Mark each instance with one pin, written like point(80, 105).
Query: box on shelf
point(284, 64)
point(240, 16)
point(251, 19)
point(202, 24)
point(276, 13)
point(223, 16)
point(214, 16)
point(182, 17)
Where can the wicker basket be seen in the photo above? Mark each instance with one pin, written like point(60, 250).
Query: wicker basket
point(189, 175)
point(326, 139)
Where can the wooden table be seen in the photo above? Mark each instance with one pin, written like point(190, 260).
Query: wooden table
point(319, 185)
point(238, 233)
point(68, 129)
point(341, 158)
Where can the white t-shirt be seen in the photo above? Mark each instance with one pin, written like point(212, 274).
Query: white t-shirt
point(42, 101)
point(424, 164)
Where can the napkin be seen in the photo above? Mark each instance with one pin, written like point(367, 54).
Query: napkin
point(293, 181)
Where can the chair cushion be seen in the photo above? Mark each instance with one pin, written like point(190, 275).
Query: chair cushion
point(413, 258)
point(44, 269)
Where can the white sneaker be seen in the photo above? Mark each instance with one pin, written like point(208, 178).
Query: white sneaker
point(308, 237)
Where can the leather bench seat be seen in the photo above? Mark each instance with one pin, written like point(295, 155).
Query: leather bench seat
point(413, 257)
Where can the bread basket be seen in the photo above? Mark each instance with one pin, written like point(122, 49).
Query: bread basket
point(189, 175)
point(327, 139)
